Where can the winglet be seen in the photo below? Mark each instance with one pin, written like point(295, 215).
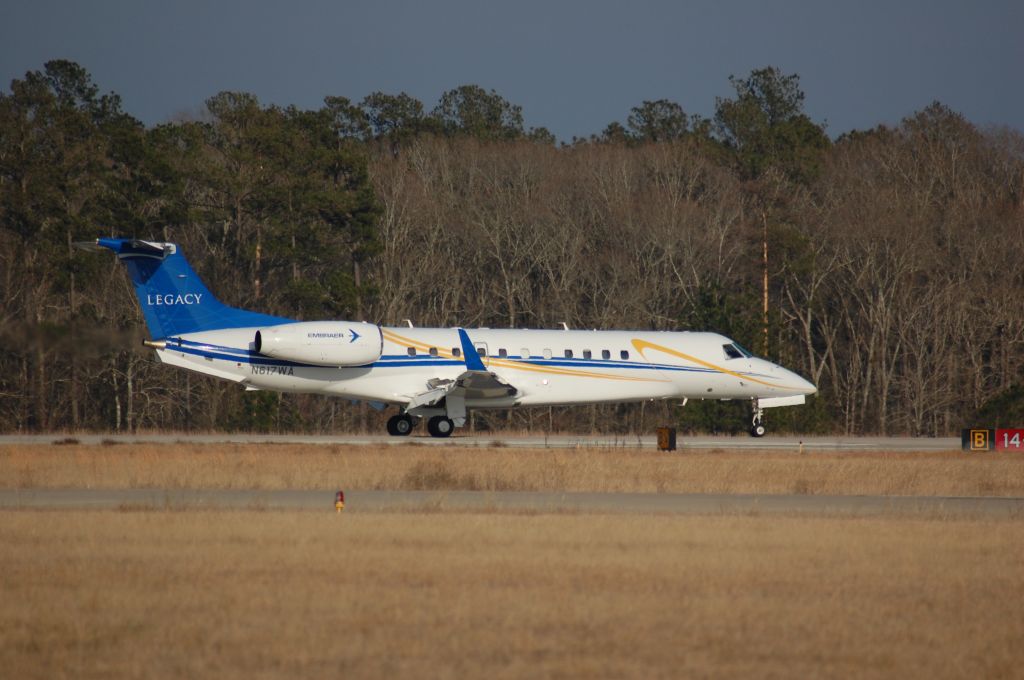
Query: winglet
point(473, 362)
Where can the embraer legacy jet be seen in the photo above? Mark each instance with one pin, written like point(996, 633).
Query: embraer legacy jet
point(436, 373)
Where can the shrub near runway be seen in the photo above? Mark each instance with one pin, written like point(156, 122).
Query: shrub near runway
point(262, 466)
point(302, 594)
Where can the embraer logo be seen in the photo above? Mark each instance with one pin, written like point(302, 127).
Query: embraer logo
point(355, 335)
point(179, 299)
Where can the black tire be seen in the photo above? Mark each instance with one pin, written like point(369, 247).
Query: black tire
point(439, 426)
point(400, 425)
point(758, 430)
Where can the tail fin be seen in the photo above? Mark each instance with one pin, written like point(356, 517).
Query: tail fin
point(173, 298)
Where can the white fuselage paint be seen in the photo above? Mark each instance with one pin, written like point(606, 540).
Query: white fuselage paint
point(658, 365)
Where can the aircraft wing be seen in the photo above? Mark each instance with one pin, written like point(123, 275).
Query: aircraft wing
point(474, 384)
point(484, 385)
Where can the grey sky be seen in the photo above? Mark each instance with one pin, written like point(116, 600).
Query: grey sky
point(573, 66)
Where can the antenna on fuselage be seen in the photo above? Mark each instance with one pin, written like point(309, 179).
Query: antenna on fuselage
point(565, 326)
point(409, 323)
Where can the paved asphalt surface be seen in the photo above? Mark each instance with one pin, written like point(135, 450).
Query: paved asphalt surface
point(511, 501)
point(555, 441)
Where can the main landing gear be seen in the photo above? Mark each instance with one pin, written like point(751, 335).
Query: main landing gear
point(757, 428)
point(438, 426)
point(400, 425)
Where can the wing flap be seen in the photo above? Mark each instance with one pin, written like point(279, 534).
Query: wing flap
point(471, 385)
point(428, 398)
point(484, 385)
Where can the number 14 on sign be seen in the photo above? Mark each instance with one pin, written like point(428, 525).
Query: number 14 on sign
point(1009, 440)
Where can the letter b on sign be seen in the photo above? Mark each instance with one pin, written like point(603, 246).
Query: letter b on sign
point(977, 439)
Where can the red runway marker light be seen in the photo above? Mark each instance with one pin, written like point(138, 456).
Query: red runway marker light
point(339, 501)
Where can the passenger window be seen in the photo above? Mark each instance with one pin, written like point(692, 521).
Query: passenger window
point(503, 353)
point(481, 352)
point(456, 352)
point(731, 352)
point(547, 353)
point(433, 351)
point(624, 354)
point(586, 354)
point(524, 353)
point(412, 351)
point(605, 354)
point(568, 354)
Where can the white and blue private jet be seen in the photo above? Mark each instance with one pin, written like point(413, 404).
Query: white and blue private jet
point(437, 373)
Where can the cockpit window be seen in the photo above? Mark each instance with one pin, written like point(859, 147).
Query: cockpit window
point(743, 350)
point(732, 352)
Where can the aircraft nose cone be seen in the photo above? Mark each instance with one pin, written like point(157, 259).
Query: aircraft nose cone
point(790, 381)
point(795, 382)
point(804, 386)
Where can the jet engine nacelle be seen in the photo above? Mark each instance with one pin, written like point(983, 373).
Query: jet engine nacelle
point(323, 343)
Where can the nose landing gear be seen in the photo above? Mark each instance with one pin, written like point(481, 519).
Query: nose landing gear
point(757, 428)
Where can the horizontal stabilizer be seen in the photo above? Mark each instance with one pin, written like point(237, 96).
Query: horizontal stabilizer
point(90, 246)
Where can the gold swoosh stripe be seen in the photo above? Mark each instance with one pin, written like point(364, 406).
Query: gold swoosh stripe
point(641, 345)
point(512, 364)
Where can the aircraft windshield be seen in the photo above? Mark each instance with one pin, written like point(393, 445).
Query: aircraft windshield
point(736, 351)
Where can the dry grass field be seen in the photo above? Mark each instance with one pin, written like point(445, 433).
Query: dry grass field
point(187, 593)
point(270, 466)
point(298, 594)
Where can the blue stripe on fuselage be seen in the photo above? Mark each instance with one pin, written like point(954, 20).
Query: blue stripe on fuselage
point(248, 356)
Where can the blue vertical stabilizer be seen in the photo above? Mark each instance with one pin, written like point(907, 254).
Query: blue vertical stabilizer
point(173, 298)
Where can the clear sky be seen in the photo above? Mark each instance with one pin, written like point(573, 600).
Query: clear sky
point(573, 66)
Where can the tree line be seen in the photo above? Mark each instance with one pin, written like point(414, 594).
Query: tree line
point(892, 255)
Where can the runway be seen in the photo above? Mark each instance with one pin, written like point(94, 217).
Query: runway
point(509, 501)
point(779, 442)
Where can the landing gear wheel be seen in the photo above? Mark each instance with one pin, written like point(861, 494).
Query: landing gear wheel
point(400, 425)
point(757, 428)
point(439, 426)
